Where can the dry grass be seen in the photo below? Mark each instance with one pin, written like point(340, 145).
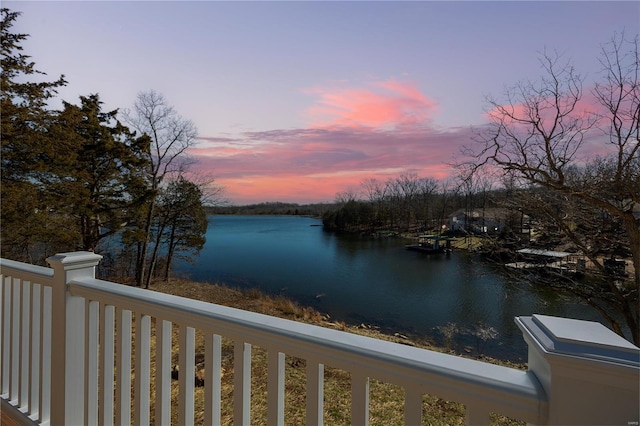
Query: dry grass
point(471, 242)
point(386, 400)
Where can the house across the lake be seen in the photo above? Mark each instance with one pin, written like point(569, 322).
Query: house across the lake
point(488, 221)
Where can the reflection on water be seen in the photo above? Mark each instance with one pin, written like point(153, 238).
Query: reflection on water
point(375, 281)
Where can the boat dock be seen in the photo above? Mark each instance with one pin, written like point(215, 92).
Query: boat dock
point(555, 261)
point(431, 244)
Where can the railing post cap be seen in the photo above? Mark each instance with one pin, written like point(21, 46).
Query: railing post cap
point(75, 260)
point(584, 339)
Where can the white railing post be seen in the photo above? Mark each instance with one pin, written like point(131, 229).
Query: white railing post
point(67, 337)
point(590, 374)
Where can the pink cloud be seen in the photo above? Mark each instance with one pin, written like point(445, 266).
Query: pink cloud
point(314, 164)
point(377, 130)
point(385, 104)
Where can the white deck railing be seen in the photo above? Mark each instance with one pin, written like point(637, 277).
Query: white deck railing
point(67, 343)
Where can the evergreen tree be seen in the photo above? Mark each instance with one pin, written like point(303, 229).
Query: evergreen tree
point(70, 177)
point(29, 233)
point(97, 169)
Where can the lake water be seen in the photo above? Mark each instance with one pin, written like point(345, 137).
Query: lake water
point(375, 281)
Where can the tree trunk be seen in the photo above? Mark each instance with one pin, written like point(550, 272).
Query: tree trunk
point(171, 245)
point(154, 257)
point(631, 226)
point(142, 254)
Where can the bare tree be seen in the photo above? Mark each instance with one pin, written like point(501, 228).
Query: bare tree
point(448, 192)
point(212, 192)
point(373, 190)
point(466, 186)
point(376, 193)
point(474, 185)
point(171, 136)
point(619, 94)
point(346, 196)
point(402, 193)
point(540, 134)
point(426, 197)
point(407, 186)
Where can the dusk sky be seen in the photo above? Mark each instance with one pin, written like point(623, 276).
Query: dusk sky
point(296, 101)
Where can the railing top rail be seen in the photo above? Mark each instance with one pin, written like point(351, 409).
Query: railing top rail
point(501, 389)
point(27, 272)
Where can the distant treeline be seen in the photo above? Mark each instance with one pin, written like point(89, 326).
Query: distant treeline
point(409, 203)
point(273, 208)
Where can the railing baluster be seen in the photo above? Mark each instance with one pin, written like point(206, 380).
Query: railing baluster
point(242, 383)
point(6, 334)
point(107, 349)
point(2, 322)
point(91, 375)
point(212, 379)
point(123, 367)
point(275, 388)
point(34, 366)
point(25, 340)
point(186, 375)
point(412, 406)
point(163, 372)
point(15, 344)
point(359, 399)
point(142, 369)
point(476, 416)
point(315, 393)
point(45, 359)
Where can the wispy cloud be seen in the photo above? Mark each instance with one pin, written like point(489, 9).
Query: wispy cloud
point(314, 164)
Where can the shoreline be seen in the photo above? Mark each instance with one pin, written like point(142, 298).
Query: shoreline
point(255, 300)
